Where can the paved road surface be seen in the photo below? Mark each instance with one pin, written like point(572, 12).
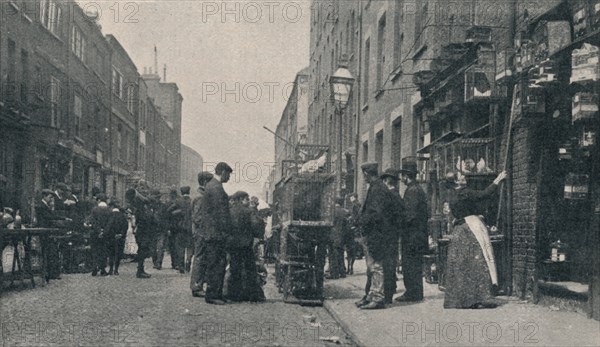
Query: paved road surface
point(124, 311)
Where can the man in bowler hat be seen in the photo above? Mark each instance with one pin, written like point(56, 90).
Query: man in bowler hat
point(378, 228)
point(390, 179)
point(414, 235)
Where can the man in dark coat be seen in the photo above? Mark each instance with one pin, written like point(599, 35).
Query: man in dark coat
point(175, 217)
point(99, 241)
point(390, 179)
point(336, 241)
point(414, 235)
point(46, 217)
point(199, 219)
point(144, 226)
point(115, 238)
point(215, 231)
point(186, 243)
point(243, 284)
point(161, 222)
point(353, 248)
point(377, 223)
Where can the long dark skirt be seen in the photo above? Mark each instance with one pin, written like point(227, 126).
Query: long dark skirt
point(243, 283)
point(468, 281)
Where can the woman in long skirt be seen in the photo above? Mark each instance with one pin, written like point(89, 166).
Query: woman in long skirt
point(471, 269)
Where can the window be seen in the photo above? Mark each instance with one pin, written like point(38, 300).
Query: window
point(380, 52)
point(398, 35)
point(365, 153)
point(379, 148)
point(24, 77)
point(78, 112)
point(119, 141)
point(142, 114)
point(421, 21)
point(78, 43)
point(117, 83)
point(131, 98)
point(51, 16)
point(397, 143)
point(54, 102)
point(366, 73)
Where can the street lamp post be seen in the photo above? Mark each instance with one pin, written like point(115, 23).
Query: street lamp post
point(341, 83)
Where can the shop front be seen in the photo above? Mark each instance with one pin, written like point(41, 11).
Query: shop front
point(557, 81)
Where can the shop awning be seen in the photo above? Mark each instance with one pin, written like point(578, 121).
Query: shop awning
point(447, 137)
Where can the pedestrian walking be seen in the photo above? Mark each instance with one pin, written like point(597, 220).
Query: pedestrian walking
point(376, 219)
point(243, 283)
point(215, 233)
point(200, 219)
point(160, 227)
point(186, 243)
point(353, 247)
point(414, 236)
point(470, 267)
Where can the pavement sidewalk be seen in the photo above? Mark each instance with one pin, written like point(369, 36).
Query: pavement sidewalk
point(516, 323)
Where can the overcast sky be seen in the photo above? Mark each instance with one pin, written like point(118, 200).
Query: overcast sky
point(234, 62)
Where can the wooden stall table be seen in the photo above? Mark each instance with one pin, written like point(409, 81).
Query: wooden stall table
point(23, 270)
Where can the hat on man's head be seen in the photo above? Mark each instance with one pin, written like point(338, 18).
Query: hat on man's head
point(390, 172)
point(102, 197)
point(239, 195)
point(371, 168)
point(204, 177)
point(184, 190)
point(222, 167)
point(409, 166)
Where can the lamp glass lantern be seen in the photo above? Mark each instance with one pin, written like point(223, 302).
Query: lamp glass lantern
point(341, 83)
point(341, 86)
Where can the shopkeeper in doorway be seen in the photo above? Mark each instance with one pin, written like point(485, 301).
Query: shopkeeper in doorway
point(471, 269)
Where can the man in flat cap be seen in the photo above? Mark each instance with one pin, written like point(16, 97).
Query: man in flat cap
point(243, 283)
point(414, 235)
point(199, 222)
point(378, 227)
point(46, 216)
point(215, 233)
point(390, 178)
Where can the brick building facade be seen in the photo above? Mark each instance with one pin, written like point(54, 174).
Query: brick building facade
point(71, 103)
point(435, 81)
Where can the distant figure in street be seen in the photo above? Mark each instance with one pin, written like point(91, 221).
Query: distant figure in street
point(470, 267)
point(115, 238)
point(143, 230)
point(336, 241)
point(215, 232)
point(390, 179)
point(186, 243)
point(45, 218)
point(243, 284)
point(200, 219)
point(414, 235)
point(161, 221)
point(378, 228)
point(353, 247)
point(99, 220)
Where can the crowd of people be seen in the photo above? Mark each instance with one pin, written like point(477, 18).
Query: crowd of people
point(216, 231)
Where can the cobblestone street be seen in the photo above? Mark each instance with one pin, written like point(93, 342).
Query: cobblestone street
point(124, 311)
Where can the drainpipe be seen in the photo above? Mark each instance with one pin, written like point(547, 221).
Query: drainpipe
point(358, 95)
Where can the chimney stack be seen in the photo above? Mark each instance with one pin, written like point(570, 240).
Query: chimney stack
point(165, 73)
point(155, 60)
